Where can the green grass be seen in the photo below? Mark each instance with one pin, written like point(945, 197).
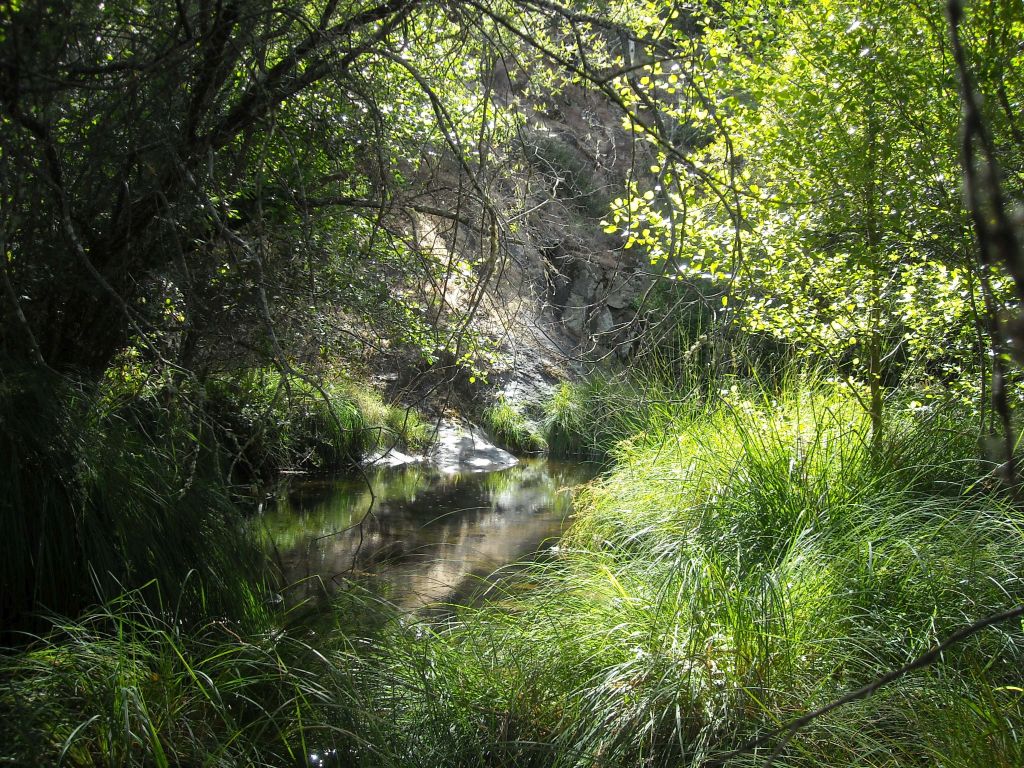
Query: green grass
point(98, 496)
point(269, 422)
point(126, 685)
point(108, 488)
point(588, 420)
point(755, 563)
point(740, 564)
point(512, 430)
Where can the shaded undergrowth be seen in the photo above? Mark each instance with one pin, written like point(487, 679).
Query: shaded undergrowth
point(100, 494)
point(127, 685)
point(108, 488)
point(269, 421)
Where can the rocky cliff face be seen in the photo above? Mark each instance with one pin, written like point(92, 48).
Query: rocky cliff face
point(582, 157)
point(576, 293)
point(563, 295)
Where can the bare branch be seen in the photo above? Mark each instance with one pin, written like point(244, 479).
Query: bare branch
point(927, 658)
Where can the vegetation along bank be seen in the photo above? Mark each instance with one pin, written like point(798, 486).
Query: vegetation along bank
point(758, 263)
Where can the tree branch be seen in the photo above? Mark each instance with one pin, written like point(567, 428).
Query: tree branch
point(927, 658)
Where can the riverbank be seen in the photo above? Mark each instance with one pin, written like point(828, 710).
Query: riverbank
point(739, 566)
point(142, 483)
point(743, 566)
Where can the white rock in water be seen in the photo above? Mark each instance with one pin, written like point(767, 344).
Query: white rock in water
point(460, 448)
point(391, 458)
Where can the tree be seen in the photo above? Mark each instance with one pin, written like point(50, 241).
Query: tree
point(188, 186)
point(177, 175)
point(825, 192)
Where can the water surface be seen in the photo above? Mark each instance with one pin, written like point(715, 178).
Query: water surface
point(421, 537)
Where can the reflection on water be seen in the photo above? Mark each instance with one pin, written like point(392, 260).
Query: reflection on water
point(424, 536)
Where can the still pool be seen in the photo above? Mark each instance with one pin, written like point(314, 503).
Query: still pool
point(420, 537)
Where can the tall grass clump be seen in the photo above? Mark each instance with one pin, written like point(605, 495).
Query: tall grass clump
point(128, 685)
point(511, 429)
point(587, 420)
point(270, 421)
point(99, 495)
point(757, 561)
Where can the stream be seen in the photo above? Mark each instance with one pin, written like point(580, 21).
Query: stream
point(423, 538)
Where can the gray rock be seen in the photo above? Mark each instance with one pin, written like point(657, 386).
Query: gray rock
point(602, 323)
point(626, 287)
point(462, 448)
point(574, 318)
point(391, 458)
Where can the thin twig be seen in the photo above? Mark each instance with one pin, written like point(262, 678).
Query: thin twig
point(930, 656)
